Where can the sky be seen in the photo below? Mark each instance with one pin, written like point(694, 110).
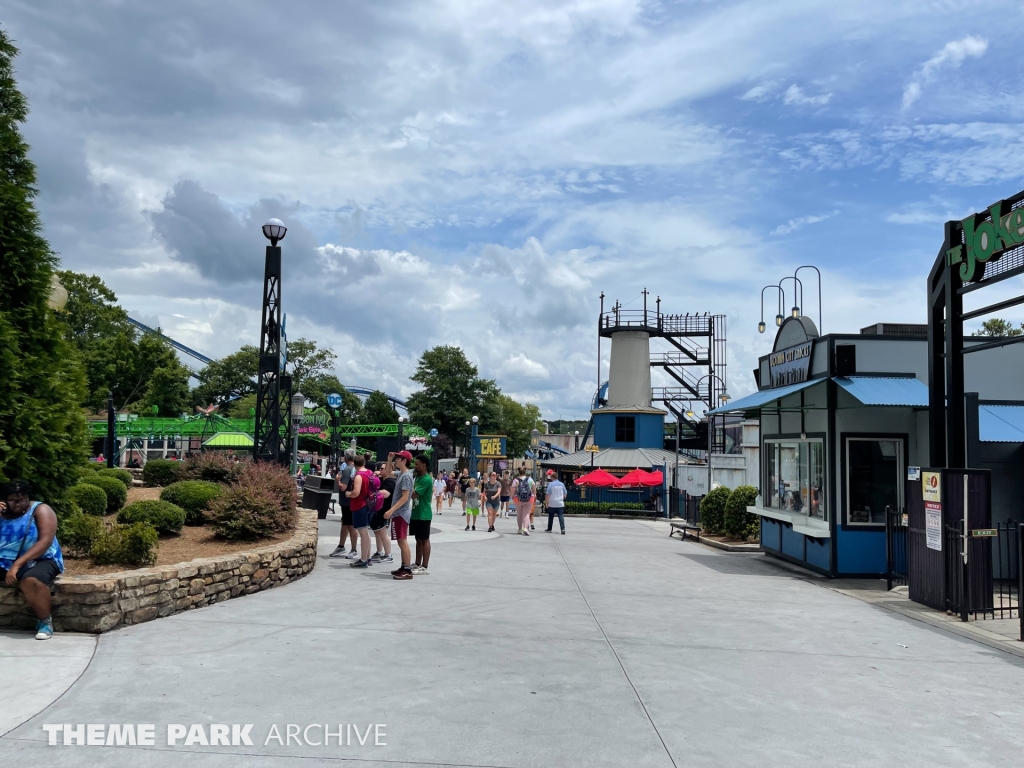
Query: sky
point(477, 173)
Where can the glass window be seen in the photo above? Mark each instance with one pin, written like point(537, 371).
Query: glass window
point(873, 472)
point(625, 429)
point(795, 470)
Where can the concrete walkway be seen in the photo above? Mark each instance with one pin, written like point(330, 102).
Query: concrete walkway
point(611, 646)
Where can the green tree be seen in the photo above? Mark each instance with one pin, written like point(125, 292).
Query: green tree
point(379, 410)
point(42, 430)
point(306, 361)
point(452, 392)
point(168, 390)
point(516, 421)
point(1000, 328)
point(316, 388)
point(233, 376)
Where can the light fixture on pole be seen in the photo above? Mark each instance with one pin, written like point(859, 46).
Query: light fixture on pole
point(724, 398)
point(798, 295)
point(58, 294)
point(298, 410)
point(269, 444)
point(576, 441)
point(473, 468)
point(811, 266)
point(401, 433)
point(778, 317)
point(535, 446)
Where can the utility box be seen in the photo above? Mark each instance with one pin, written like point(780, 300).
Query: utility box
point(317, 493)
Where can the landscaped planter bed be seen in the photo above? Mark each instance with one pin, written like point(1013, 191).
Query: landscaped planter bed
point(99, 603)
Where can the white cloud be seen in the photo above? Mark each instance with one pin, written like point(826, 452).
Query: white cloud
point(520, 366)
point(761, 91)
point(952, 55)
point(794, 224)
point(795, 96)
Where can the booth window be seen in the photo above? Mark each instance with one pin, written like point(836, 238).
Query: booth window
point(625, 429)
point(796, 477)
point(873, 471)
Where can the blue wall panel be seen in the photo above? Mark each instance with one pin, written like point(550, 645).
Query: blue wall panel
point(819, 552)
point(860, 551)
point(650, 430)
point(770, 534)
point(792, 543)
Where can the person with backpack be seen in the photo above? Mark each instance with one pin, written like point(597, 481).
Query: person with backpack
point(419, 524)
point(379, 523)
point(522, 492)
point(365, 491)
point(343, 484)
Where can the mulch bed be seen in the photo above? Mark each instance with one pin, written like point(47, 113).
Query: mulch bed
point(193, 542)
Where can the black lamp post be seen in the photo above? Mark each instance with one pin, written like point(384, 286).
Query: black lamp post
point(401, 431)
point(269, 443)
point(298, 410)
point(472, 446)
point(111, 429)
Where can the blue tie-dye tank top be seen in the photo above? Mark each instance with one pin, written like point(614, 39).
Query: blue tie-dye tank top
point(14, 542)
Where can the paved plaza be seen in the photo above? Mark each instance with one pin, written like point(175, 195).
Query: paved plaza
point(611, 646)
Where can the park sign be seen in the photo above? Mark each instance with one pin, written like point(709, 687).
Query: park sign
point(315, 423)
point(490, 446)
point(334, 400)
point(986, 236)
point(790, 366)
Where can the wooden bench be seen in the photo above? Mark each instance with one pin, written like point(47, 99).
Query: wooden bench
point(681, 527)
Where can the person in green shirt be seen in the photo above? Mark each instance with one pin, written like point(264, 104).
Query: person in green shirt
point(419, 526)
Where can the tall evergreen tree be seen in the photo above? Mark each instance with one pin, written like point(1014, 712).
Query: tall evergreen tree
point(42, 429)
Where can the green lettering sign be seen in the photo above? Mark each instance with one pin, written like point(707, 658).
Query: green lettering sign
point(987, 238)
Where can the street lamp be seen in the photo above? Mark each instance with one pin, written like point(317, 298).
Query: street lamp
point(576, 441)
point(58, 294)
point(298, 410)
point(778, 317)
point(535, 446)
point(798, 295)
point(268, 442)
point(401, 433)
point(433, 448)
point(472, 446)
point(724, 398)
point(811, 266)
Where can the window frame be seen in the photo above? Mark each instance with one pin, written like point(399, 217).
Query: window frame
point(807, 437)
point(624, 420)
point(903, 457)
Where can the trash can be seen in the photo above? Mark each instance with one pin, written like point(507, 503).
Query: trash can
point(316, 494)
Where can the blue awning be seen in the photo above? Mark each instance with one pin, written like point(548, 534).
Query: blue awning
point(1001, 423)
point(884, 390)
point(765, 396)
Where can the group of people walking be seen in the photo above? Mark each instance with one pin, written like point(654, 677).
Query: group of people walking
point(502, 496)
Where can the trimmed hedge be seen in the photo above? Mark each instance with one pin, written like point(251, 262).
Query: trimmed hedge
point(599, 508)
point(193, 496)
point(162, 515)
point(712, 510)
point(160, 472)
point(134, 544)
point(118, 474)
point(92, 499)
point(77, 533)
point(117, 492)
point(739, 523)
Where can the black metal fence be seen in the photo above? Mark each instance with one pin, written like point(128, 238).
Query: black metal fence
point(896, 554)
point(986, 584)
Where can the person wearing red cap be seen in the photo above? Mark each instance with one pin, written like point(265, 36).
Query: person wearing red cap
point(400, 512)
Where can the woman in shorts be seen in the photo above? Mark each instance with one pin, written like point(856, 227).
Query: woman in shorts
point(439, 488)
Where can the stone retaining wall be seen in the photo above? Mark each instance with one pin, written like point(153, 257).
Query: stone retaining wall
point(101, 603)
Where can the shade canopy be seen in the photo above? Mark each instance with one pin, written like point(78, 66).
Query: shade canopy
point(639, 477)
point(229, 440)
point(599, 478)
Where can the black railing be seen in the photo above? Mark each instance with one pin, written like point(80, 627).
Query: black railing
point(988, 584)
point(897, 562)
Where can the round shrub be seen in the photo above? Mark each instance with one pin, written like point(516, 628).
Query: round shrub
point(739, 523)
point(211, 466)
point(118, 474)
point(160, 472)
point(133, 544)
point(77, 533)
point(162, 515)
point(92, 499)
point(194, 496)
point(712, 510)
point(89, 468)
point(117, 492)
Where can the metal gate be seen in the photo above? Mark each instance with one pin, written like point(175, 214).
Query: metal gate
point(896, 553)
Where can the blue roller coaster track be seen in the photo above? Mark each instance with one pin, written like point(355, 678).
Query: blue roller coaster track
point(198, 356)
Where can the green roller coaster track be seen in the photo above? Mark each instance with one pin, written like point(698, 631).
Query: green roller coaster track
point(203, 426)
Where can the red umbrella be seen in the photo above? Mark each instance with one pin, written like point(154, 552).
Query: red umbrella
point(598, 478)
point(638, 477)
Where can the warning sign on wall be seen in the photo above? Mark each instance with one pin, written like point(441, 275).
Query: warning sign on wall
point(933, 525)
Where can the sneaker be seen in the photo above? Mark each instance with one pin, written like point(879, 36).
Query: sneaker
point(491, 529)
point(422, 572)
point(563, 531)
point(44, 629)
point(360, 564)
point(376, 557)
point(416, 569)
point(353, 555)
point(532, 528)
point(526, 533)
point(338, 552)
point(547, 530)
point(467, 527)
point(402, 568)
point(387, 559)
point(473, 528)
point(401, 574)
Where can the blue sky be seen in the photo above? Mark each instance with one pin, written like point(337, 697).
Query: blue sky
point(477, 173)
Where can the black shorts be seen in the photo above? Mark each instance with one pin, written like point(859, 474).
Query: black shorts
point(42, 570)
point(377, 522)
point(346, 515)
point(361, 518)
point(420, 529)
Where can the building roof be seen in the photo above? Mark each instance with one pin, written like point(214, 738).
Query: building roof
point(886, 390)
point(1001, 423)
point(615, 458)
point(763, 397)
point(229, 440)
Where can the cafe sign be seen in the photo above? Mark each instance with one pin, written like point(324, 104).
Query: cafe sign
point(790, 365)
point(986, 236)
